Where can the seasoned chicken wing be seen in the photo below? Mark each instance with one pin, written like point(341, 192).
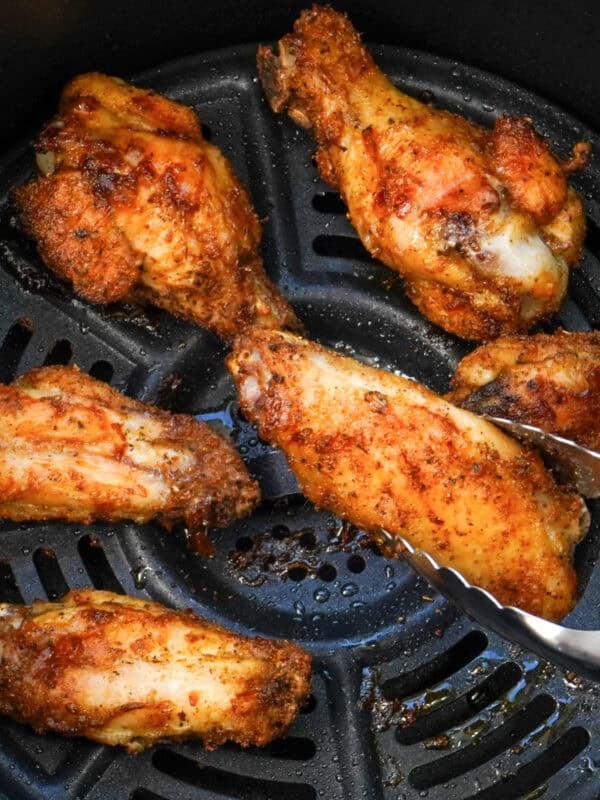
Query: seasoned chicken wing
point(133, 203)
point(125, 671)
point(548, 380)
point(73, 448)
point(481, 224)
point(385, 452)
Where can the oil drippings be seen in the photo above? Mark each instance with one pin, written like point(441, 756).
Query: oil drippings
point(199, 542)
point(284, 554)
point(145, 317)
point(401, 711)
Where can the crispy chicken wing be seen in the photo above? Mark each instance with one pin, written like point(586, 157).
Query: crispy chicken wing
point(133, 203)
point(385, 452)
point(73, 448)
point(548, 380)
point(125, 671)
point(481, 224)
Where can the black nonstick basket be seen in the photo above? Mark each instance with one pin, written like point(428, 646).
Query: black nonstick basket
point(410, 698)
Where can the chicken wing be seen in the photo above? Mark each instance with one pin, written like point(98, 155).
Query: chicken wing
point(548, 380)
point(385, 452)
point(481, 224)
point(73, 448)
point(134, 204)
point(125, 671)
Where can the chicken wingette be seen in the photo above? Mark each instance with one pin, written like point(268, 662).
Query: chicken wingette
point(125, 671)
point(481, 224)
point(383, 451)
point(73, 448)
point(548, 380)
point(134, 204)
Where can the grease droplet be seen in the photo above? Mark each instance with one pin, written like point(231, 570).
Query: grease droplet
point(321, 595)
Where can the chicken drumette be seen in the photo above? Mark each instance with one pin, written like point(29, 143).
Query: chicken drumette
point(133, 203)
point(481, 224)
point(548, 380)
point(385, 452)
point(125, 671)
point(73, 448)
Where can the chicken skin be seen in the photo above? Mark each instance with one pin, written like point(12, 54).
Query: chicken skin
point(73, 448)
point(548, 380)
point(481, 224)
point(124, 671)
point(384, 452)
point(132, 203)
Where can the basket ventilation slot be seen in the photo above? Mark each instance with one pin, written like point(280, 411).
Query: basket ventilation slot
point(102, 371)
point(13, 347)
point(97, 565)
point(60, 354)
point(438, 669)
point(347, 247)
point(228, 784)
point(329, 203)
point(50, 573)
point(9, 591)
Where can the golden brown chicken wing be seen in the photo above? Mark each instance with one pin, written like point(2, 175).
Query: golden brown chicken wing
point(125, 671)
point(385, 452)
point(480, 223)
point(548, 380)
point(133, 203)
point(73, 448)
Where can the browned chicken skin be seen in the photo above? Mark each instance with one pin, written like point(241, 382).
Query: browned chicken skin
point(384, 452)
point(73, 448)
point(134, 204)
point(126, 671)
point(548, 380)
point(481, 224)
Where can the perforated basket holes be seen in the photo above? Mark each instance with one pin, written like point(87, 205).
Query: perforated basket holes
point(474, 725)
point(287, 571)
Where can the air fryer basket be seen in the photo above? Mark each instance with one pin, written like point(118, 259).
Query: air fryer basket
point(410, 698)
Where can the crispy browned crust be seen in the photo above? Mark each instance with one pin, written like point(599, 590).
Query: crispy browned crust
point(74, 448)
point(76, 236)
point(452, 309)
point(548, 380)
point(138, 205)
point(394, 159)
point(384, 452)
point(565, 233)
point(54, 655)
point(531, 174)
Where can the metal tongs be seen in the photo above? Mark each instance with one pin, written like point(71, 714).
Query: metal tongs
point(576, 650)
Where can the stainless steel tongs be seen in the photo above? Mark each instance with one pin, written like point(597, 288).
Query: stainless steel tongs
point(576, 650)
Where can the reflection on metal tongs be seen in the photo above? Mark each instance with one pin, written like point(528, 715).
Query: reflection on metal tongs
point(576, 650)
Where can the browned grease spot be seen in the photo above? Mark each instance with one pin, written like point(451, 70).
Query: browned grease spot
point(199, 542)
point(271, 555)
